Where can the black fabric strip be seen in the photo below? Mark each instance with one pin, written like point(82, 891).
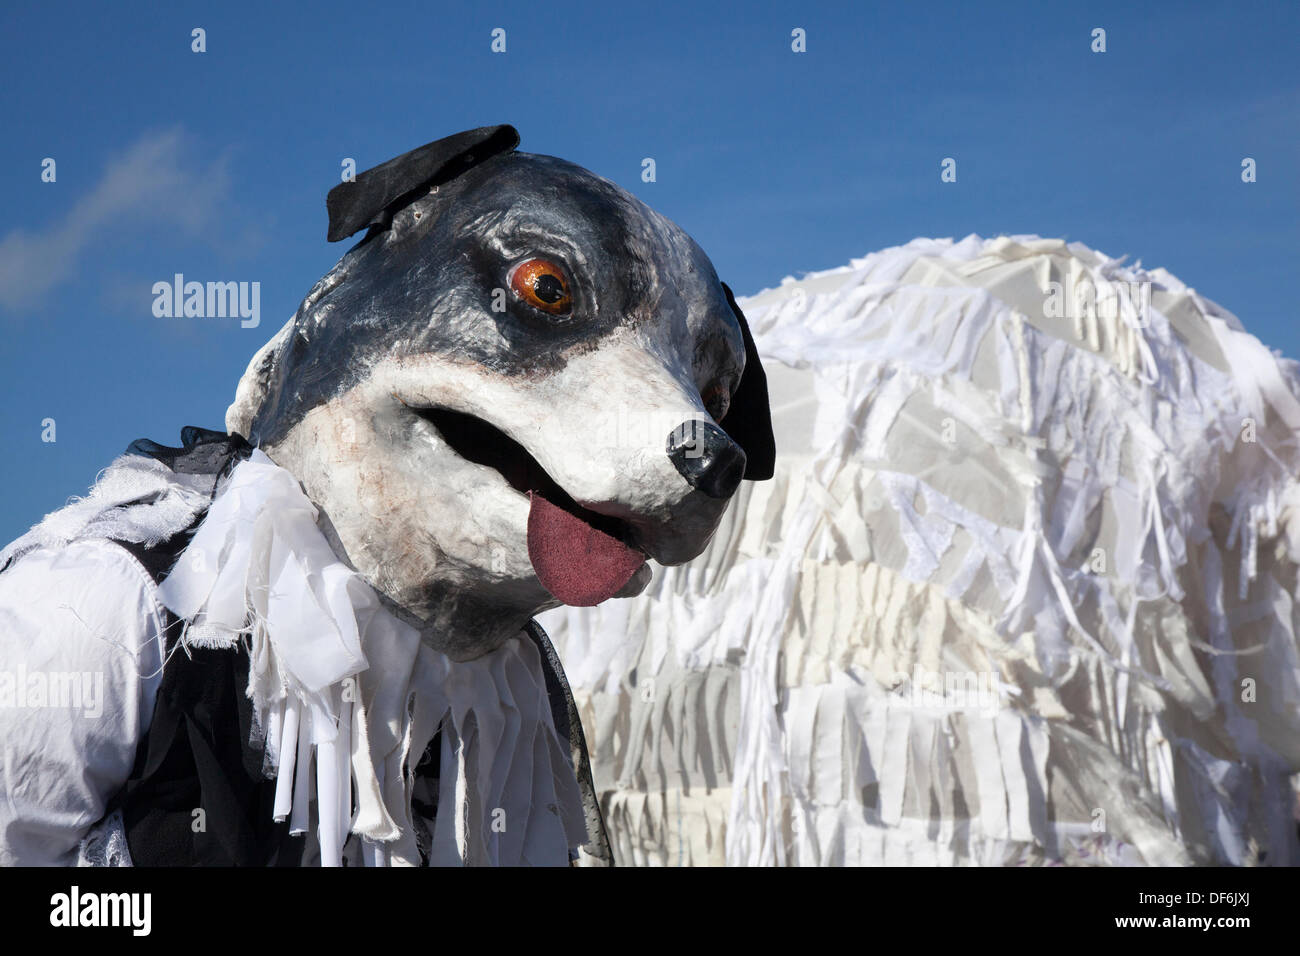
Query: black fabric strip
point(564, 714)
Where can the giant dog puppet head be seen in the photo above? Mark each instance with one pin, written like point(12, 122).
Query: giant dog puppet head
point(509, 393)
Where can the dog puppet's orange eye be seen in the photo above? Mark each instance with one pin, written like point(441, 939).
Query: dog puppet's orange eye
point(542, 285)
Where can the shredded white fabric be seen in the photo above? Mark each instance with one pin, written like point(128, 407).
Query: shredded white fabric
point(135, 499)
point(348, 697)
point(1021, 591)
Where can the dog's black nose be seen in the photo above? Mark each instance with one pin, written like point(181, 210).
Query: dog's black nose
point(706, 457)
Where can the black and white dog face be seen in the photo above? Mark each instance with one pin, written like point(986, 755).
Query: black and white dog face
point(508, 395)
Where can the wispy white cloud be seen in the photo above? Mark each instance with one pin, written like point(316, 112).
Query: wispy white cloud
point(158, 181)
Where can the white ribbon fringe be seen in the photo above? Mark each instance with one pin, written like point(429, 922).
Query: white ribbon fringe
point(348, 697)
point(1014, 460)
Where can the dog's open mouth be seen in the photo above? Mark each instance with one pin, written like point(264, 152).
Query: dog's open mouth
point(580, 556)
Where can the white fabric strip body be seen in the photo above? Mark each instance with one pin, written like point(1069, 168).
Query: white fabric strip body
point(1079, 522)
point(350, 697)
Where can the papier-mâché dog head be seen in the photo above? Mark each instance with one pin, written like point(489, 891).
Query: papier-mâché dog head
point(519, 384)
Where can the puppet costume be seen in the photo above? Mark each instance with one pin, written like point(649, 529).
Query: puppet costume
point(240, 722)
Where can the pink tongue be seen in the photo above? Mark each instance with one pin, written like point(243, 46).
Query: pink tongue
point(575, 562)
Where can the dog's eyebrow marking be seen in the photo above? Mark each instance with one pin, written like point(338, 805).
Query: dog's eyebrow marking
point(517, 236)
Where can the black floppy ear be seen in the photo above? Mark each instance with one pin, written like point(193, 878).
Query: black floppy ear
point(749, 418)
point(377, 193)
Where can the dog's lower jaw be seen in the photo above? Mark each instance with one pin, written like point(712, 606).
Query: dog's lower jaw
point(463, 623)
point(466, 630)
point(466, 626)
point(460, 619)
point(462, 628)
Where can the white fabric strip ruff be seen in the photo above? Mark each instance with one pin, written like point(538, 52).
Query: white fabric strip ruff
point(347, 697)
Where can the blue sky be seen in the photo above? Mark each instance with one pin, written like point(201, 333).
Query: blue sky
point(216, 165)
